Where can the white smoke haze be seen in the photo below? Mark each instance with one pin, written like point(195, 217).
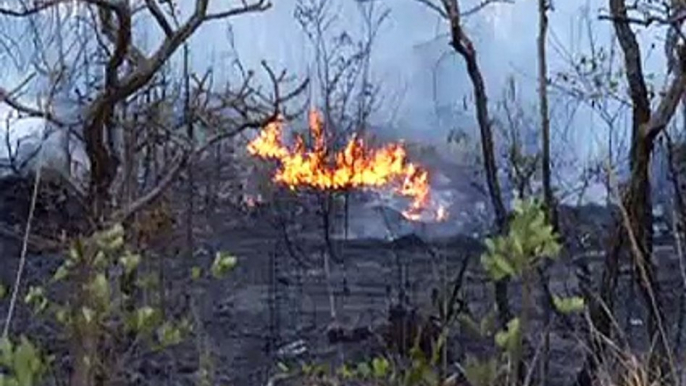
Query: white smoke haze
point(427, 93)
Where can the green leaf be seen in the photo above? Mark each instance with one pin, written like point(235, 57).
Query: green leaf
point(3, 291)
point(223, 263)
point(364, 370)
point(481, 373)
point(497, 266)
point(111, 239)
point(36, 297)
point(529, 238)
point(520, 206)
point(6, 352)
point(319, 370)
point(501, 338)
point(33, 294)
point(509, 339)
point(517, 246)
point(196, 272)
point(130, 262)
point(100, 260)
point(380, 367)
point(490, 245)
point(169, 335)
point(88, 314)
point(306, 369)
point(470, 324)
point(414, 376)
point(76, 252)
point(345, 372)
point(62, 315)
point(147, 282)
point(569, 305)
point(282, 367)
point(100, 288)
point(61, 273)
point(27, 363)
point(488, 324)
point(429, 376)
point(144, 320)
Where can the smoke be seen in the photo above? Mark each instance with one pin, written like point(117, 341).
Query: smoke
point(27, 141)
point(425, 89)
point(380, 218)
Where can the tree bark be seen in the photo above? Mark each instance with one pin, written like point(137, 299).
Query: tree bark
point(463, 46)
point(549, 199)
point(646, 126)
point(103, 166)
point(543, 8)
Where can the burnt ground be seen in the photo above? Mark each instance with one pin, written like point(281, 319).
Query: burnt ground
point(275, 306)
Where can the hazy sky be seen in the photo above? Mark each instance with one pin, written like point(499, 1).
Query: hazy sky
point(420, 72)
point(411, 48)
point(413, 44)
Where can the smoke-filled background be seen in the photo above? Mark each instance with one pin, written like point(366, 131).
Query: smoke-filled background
point(425, 91)
point(287, 274)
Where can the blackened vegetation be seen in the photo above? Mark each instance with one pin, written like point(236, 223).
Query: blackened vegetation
point(275, 306)
point(408, 329)
point(59, 213)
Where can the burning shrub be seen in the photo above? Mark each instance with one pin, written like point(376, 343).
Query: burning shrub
point(356, 166)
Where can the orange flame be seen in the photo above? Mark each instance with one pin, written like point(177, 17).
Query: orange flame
point(356, 166)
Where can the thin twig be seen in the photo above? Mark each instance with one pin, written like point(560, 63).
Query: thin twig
point(24, 249)
point(676, 229)
point(537, 355)
point(640, 260)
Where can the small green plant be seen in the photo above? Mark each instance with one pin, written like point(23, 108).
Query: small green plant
point(569, 305)
point(379, 371)
point(530, 238)
point(22, 364)
point(223, 263)
point(206, 370)
point(422, 370)
point(105, 314)
point(515, 255)
point(483, 372)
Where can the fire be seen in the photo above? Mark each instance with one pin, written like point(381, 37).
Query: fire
point(356, 166)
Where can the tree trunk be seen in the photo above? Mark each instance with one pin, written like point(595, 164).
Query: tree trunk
point(638, 204)
point(462, 45)
point(551, 207)
point(637, 227)
point(190, 132)
point(543, 8)
point(103, 163)
point(84, 350)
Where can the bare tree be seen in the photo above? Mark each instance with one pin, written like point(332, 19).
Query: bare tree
point(646, 125)
point(128, 97)
point(344, 91)
point(127, 71)
point(522, 163)
point(543, 7)
point(591, 80)
point(450, 11)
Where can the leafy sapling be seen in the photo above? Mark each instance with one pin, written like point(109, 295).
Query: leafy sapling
point(515, 255)
point(104, 311)
point(21, 364)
